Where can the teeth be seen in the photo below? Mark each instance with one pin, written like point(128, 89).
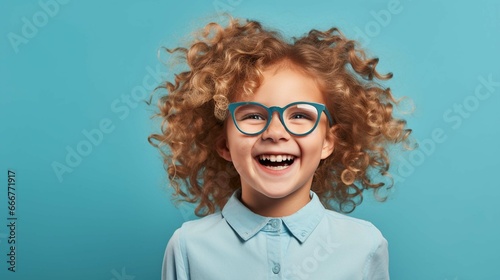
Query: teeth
point(276, 158)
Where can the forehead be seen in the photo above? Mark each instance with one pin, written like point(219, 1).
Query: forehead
point(283, 85)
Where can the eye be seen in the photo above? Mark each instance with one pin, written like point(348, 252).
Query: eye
point(301, 115)
point(301, 112)
point(253, 116)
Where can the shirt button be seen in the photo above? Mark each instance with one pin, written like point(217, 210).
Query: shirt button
point(276, 268)
point(275, 223)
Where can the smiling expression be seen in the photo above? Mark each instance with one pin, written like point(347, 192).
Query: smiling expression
point(276, 168)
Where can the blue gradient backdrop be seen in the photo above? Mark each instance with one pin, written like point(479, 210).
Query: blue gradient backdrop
point(72, 74)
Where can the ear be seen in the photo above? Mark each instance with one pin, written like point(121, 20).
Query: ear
point(328, 144)
point(222, 148)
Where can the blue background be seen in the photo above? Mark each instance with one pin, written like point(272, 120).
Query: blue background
point(87, 64)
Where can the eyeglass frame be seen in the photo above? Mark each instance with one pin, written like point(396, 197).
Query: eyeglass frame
point(270, 111)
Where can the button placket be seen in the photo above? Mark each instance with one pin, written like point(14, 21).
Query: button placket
point(274, 247)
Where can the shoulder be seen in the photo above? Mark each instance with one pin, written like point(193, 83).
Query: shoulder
point(190, 231)
point(351, 222)
point(176, 264)
point(353, 228)
point(197, 239)
point(203, 223)
point(362, 240)
point(206, 228)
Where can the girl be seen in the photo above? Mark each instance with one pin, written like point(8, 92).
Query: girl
point(267, 136)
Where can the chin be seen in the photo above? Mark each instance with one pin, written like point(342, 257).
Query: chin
point(276, 194)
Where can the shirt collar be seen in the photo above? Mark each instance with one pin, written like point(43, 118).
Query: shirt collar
point(247, 224)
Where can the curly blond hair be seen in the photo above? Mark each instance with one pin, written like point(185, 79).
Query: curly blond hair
point(228, 61)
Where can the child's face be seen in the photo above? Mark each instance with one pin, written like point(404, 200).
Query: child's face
point(260, 180)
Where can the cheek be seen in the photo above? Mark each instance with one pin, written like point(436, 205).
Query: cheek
point(313, 143)
point(241, 147)
point(239, 144)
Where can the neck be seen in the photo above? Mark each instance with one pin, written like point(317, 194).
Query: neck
point(275, 207)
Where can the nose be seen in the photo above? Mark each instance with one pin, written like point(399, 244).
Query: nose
point(275, 131)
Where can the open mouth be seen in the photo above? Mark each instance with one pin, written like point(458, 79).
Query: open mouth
point(276, 162)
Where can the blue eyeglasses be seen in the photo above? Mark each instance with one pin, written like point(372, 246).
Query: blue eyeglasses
point(298, 118)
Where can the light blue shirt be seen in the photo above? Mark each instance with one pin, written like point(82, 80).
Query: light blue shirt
point(314, 243)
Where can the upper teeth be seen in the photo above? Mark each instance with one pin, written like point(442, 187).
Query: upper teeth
point(276, 158)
